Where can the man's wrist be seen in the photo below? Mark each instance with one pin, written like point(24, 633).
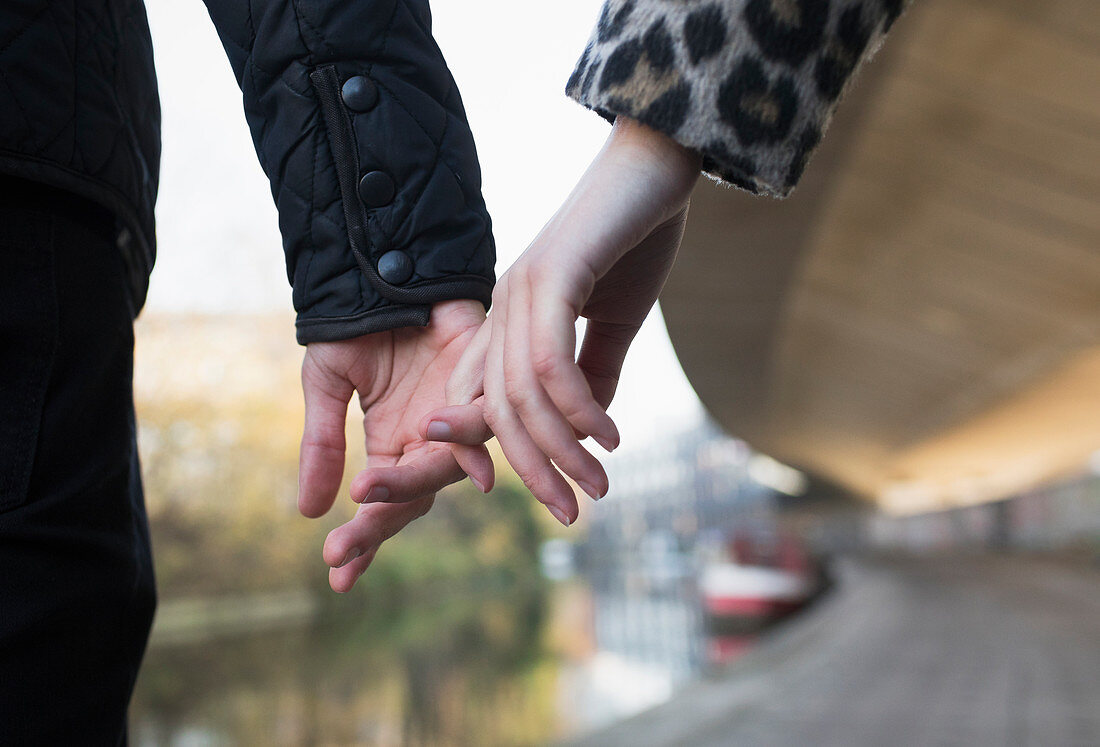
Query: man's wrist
point(459, 312)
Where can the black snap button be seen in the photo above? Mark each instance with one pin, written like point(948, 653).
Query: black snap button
point(359, 93)
point(376, 189)
point(395, 267)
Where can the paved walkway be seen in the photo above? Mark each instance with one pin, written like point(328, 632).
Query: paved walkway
point(947, 651)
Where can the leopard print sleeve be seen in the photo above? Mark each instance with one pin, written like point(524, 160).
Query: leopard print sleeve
point(749, 84)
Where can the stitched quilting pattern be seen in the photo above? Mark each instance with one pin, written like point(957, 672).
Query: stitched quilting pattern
point(417, 134)
point(79, 107)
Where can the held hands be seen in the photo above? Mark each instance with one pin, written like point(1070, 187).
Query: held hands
point(399, 376)
point(604, 256)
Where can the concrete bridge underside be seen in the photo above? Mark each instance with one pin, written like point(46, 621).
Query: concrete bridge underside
point(920, 322)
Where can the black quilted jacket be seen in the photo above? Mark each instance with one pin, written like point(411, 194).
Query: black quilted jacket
point(355, 117)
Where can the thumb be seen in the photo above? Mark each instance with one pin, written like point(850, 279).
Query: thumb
point(602, 354)
point(466, 382)
point(321, 459)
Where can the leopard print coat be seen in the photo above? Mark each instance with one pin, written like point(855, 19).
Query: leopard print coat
point(749, 84)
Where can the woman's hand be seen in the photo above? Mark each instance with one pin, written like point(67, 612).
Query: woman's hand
point(604, 256)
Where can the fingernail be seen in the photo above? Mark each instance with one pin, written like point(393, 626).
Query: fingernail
point(351, 555)
point(439, 431)
point(559, 515)
point(607, 445)
point(377, 494)
point(590, 491)
point(477, 484)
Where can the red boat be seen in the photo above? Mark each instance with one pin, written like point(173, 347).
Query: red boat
point(755, 583)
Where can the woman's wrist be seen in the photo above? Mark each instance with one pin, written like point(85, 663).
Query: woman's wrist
point(658, 171)
point(681, 164)
point(640, 180)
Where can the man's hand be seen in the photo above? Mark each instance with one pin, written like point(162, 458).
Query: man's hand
point(399, 376)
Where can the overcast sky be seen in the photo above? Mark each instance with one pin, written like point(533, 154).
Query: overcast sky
point(219, 247)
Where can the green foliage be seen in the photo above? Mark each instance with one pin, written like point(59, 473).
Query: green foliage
point(434, 645)
point(485, 542)
point(221, 489)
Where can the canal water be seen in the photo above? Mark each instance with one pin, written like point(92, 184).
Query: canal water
point(526, 666)
point(613, 625)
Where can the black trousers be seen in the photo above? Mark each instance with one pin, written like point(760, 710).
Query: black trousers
point(76, 576)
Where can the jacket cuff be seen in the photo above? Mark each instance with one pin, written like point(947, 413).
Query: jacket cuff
point(749, 84)
point(361, 131)
point(418, 231)
point(330, 329)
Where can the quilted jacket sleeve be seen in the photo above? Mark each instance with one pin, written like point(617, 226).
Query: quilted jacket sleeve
point(359, 126)
point(749, 84)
